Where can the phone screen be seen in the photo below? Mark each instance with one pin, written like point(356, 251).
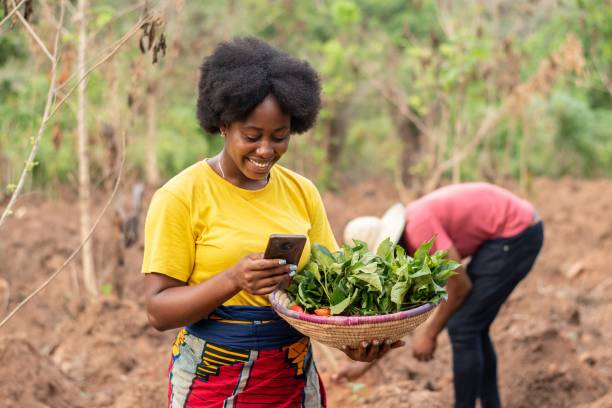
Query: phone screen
point(285, 246)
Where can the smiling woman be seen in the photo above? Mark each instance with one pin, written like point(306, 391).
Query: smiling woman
point(207, 227)
point(253, 146)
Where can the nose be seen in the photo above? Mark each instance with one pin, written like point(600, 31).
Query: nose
point(265, 149)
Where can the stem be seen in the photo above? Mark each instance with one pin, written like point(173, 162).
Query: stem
point(13, 11)
point(43, 124)
point(76, 251)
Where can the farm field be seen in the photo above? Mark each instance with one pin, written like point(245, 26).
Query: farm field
point(552, 336)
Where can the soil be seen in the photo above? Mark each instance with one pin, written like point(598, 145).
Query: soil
point(552, 337)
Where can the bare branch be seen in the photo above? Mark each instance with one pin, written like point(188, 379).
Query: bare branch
point(43, 125)
point(484, 130)
point(13, 11)
point(115, 47)
point(34, 35)
point(48, 107)
point(117, 16)
point(398, 99)
point(568, 57)
point(78, 249)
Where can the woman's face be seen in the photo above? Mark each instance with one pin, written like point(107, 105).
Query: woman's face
point(255, 144)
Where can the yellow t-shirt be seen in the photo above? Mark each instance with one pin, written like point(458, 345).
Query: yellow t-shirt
point(199, 224)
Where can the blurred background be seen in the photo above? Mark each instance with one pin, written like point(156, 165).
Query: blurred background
point(416, 94)
point(417, 90)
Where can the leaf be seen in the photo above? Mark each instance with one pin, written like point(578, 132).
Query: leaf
point(424, 271)
point(339, 307)
point(360, 246)
point(423, 249)
point(354, 280)
point(371, 278)
point(385, 250)
point(398, 292)
point(322, 255)
point(401, 270)
point(370, 268)
point(314, 269)
point(338, 295)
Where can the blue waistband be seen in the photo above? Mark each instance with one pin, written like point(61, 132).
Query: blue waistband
point(260, 328)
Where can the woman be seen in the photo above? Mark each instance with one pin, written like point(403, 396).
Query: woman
point(207, 227)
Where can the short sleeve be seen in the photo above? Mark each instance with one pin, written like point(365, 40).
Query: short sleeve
point(169, 246)
point(421, 227)
point(320, 231)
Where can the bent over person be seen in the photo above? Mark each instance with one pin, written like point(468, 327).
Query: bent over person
point(502, 235)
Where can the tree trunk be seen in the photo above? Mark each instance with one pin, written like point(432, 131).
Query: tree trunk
point(152, 171)
point(524, 181)
point(336, 138)
point(411, 140)
point(89, 275)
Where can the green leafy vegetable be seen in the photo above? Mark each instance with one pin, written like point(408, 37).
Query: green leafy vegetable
point(355, 281)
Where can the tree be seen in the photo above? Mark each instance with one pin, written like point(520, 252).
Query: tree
point(89, 274)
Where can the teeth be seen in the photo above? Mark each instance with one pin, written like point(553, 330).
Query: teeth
point(261, 165)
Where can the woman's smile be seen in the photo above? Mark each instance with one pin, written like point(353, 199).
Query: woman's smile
point(259, 165)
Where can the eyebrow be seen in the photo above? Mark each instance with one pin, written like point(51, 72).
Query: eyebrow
point(261, 130)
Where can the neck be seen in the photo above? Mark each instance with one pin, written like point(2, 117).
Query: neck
point(236, 177)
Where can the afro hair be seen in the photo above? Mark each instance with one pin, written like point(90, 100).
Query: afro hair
point(239, 74)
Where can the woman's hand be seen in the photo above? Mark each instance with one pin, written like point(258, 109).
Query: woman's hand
point(371, 350)
point(259, 276)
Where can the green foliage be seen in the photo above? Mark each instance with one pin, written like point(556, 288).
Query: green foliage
point(581, 136)
point(345, 13)
point(355, 281)
point(452, 66)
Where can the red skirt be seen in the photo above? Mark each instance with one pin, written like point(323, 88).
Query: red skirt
point(207, 375)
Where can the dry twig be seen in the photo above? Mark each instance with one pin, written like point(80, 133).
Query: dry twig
point(115, 47)
point(79, 247)
point(35, 36)
point(48, 115)
point(10, 13)
point(43, 125)
point(567, 58)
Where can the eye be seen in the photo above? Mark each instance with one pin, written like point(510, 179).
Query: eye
point(280, 138)
point(251, 138)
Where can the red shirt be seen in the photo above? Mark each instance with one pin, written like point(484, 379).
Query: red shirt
point(464, 216)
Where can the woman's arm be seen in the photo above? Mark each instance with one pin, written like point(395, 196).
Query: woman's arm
point(171, 303)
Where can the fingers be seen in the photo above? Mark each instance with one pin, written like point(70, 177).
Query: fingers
point(397, 344)
point(278, 272)
point(265, 286)
point(265, 264)
point(374, 350)
point(369, 351)
point(423, 356)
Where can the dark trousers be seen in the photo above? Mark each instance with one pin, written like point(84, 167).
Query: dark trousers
point(495, 270)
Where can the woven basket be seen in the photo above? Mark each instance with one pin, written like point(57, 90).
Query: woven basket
point(338, 331)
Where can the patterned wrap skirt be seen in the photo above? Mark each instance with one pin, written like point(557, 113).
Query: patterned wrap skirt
point(252, 368)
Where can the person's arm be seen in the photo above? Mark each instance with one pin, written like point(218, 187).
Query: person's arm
point(458, 288)
point(171, 303)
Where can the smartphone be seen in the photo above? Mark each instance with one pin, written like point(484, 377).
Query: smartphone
point(285, 246)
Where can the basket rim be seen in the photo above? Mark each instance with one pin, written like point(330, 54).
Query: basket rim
point(347, 320)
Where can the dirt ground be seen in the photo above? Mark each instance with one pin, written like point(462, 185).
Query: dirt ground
point(553, 336)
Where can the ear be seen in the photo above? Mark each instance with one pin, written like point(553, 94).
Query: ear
point(223, 129)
